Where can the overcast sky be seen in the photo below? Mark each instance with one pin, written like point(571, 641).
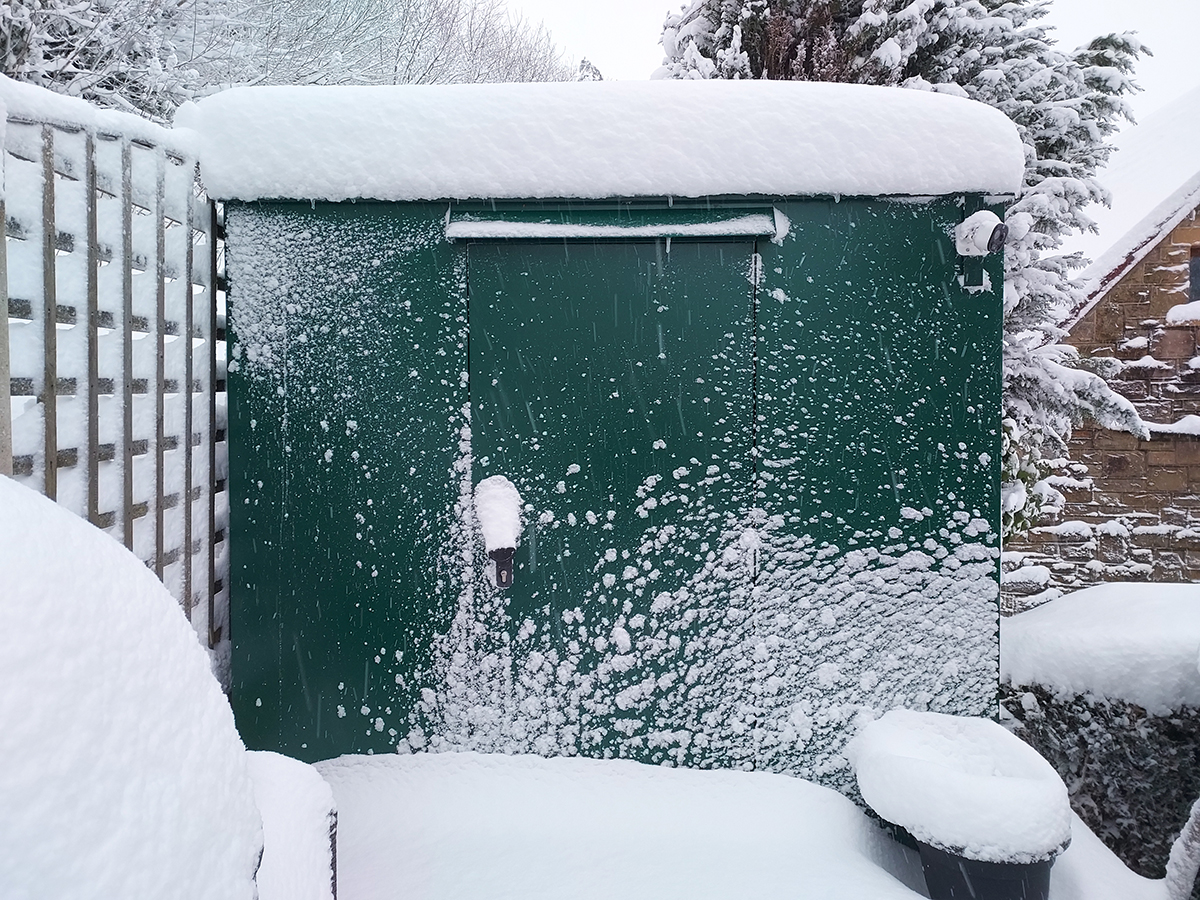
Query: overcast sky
point(621, 36)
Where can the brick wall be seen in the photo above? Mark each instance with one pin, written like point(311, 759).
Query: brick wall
point(1140, 519)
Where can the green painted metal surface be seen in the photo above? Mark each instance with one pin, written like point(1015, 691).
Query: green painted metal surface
point(759, 477)
point(596, 367)
point(345, 393)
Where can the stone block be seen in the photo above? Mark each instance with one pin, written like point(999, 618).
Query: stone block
point(1187, 451)
point(1112, 548)
point(1115, 440)
point(1127, 464)
point(1109, 502)
point(1130, 389)
point(1165, 479)
point(1110, 323)
point(1169, 567)
point(1078, 552)
point(1176, 343)
point(1160, 457)
point(1156, 410)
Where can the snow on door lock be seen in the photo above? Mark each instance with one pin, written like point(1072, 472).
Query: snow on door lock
point(498, 509)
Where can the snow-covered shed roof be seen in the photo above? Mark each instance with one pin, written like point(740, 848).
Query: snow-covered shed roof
point(599, 139)
point(1154, 179)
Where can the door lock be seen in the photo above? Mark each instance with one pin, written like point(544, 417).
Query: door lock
point(503, 557)
point(498, 509)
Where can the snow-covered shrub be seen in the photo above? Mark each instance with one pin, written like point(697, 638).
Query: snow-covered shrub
point(121, 773)
point(1132, 776)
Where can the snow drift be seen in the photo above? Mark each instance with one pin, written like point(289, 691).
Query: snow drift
point(121, 774)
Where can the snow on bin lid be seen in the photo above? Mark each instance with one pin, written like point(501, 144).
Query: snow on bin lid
point(964, 785)
point(599, 139)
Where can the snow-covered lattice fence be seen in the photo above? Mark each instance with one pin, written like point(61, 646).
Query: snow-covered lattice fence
point(111, 353)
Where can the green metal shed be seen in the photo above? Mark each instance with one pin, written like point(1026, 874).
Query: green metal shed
point(723, 340)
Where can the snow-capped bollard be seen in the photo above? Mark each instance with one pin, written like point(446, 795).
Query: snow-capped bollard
point(988, 813)
point(498, 509)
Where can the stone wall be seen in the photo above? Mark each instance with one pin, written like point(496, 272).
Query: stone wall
point(1139, 520)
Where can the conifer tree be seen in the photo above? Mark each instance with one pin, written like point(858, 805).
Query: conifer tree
point(1064, 104)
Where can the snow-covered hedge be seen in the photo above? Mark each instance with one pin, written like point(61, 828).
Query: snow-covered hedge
point(1104, 684)
point(121, 773)
point(1132, 775)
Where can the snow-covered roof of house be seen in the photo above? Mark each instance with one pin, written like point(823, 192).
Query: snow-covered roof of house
point(599, 139)
point(1154, 178)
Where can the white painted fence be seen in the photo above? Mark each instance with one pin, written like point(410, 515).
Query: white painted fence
point(112, 350)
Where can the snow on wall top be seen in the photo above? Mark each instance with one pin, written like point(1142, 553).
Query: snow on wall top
point(121, 770)
point(1132, 642)
point(599, 139)
point(1154, 178)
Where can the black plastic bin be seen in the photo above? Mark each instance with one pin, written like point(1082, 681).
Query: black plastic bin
point(952, 877)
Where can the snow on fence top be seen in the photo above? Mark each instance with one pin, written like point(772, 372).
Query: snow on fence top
point(26, 101)
point(599, 139)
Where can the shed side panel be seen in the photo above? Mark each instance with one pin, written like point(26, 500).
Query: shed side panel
point(879, 410)
point(347, 385)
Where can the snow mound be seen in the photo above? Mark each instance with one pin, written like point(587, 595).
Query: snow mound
point(298, 817)
point(1131, 642)
point(121, 773)
point(963, 785)
point(1184, 314)
point(599, 139)
point(1189, 424)
point(466, 826)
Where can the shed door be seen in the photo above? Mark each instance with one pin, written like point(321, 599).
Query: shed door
point(612, 384)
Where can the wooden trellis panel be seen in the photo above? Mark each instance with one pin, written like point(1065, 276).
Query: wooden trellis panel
point(112, 351)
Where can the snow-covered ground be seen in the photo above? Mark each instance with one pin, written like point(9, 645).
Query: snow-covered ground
point(468, 826)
